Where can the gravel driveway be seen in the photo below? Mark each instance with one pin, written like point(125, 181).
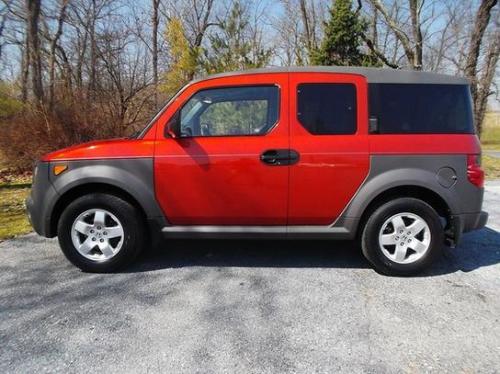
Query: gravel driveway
point(252, 306)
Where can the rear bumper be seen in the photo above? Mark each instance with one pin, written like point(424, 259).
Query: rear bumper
point(462, 223)
point(474, 221)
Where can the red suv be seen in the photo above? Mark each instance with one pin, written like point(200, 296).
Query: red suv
point(385, 156)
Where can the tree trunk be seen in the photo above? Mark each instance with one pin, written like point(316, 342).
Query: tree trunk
point(484, 84)
point(307, 28)
point(93, 53)
point(25, 70)
point(53, 45)
point(32, 19)
point(482, 20)
point(417, 34)
point(82, 50)
point(155, 21)
point(401, 36)
point(375, 28)
point(68, 70)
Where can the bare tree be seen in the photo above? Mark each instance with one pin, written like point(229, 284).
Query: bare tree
point(25, 69)
point(299, 29)
point(289, 40)
point(53, 45)
point(415, 8)
point(155, 22)
point(307, 19)
point(412, 43)
point(481, 22)
point(482, 88)
point(4, 14)
point(480, 84)
point(32, 19)
point(371, 41)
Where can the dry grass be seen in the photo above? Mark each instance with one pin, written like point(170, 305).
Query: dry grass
point(491, 166)
point(13, 191)
point(490, 139)
point(13, 219)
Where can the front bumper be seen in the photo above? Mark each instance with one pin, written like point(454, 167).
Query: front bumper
point(29, 211)
point(40, 203)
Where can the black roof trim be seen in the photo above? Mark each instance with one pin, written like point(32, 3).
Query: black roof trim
point(373, 75)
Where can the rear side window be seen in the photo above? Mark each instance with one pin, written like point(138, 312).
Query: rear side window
point(421, 108)
point(327, 109)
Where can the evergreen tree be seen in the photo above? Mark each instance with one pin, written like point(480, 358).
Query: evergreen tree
point(343, 38)
point(184, 59)
point(233, 47)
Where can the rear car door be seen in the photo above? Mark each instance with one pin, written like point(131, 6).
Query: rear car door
point(329, 130)
point(217, 173)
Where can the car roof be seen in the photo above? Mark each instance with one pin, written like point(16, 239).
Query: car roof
point(373, 75)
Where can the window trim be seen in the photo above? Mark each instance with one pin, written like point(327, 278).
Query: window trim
point(271, 128)
point(356, 120)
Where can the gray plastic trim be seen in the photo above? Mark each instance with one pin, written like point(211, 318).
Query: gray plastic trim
point(41, 200)
point(389, 171)
point(373, 75)
point(256, 232)
point(132, 175)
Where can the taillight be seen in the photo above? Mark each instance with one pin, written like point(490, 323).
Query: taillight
point(474, 171)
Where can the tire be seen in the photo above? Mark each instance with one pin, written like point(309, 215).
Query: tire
point(80, 224)
point(412, 251)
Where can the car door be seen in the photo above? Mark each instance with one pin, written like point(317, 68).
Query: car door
point(328, 128)
point(221, 170)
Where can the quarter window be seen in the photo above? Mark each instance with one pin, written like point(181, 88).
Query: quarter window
point(230, 111)
point(327, 108)
point(421, 108)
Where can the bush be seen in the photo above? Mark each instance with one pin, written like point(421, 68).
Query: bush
point(33, 131)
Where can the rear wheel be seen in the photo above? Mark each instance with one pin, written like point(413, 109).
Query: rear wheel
point(100, 232)
point(402, 237)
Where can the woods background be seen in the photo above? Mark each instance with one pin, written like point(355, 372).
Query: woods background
point(76, 70)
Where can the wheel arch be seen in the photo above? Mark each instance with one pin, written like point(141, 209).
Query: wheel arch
point(425, 194)
point(387, 179)
point(132, 179)
point(85, 189)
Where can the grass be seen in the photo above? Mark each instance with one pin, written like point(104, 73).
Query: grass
point(13, 219)
point(14, 188)
point(491, 166)
point(490, 138)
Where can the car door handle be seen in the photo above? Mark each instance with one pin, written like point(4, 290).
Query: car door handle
point(279, 157)
point(271, 156)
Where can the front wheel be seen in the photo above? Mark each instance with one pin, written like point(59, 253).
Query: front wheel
point(402, 237)
point(100, 232)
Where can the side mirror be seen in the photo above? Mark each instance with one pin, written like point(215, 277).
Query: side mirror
point(173, 127)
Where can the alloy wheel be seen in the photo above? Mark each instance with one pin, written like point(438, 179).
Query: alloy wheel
point(97, 234)
point(405, 238)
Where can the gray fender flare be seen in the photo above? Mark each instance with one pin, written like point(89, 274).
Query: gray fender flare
point(377, 184)
point(134, 176)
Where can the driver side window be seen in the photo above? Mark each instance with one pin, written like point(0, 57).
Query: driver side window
point(230, 111)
